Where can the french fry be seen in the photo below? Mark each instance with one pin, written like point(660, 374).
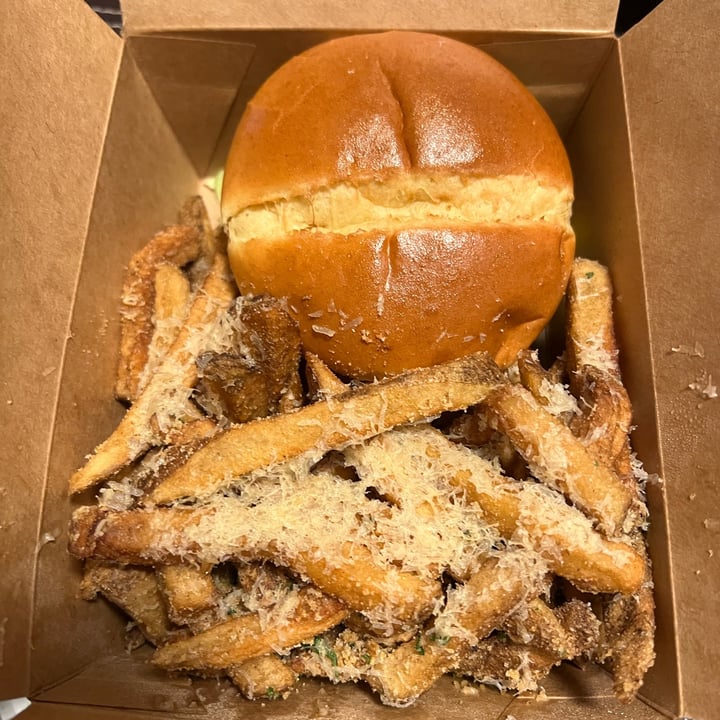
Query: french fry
point(177, 245)
point(525, 511)
point(188, 590)
point(175, 376)
point(265, 676)
point(341, 555)
point(172, 295)
point(135, 590)
point(451, 535)
point(471, 612)
point(565, 632)
point(330, 424)
point(242, 638)
point(558, 458)
point(627, 644)
point(590, 335)
point(545, 387)
point(628, 620)
point(508, 665)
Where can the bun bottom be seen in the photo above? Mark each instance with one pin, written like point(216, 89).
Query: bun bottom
point(373, 304)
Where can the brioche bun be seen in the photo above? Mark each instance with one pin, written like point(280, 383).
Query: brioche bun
point(408, 196)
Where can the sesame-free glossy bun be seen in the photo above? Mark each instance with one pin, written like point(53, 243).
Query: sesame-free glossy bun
point(407, 195)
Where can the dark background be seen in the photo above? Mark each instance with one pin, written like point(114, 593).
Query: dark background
point(629, 13)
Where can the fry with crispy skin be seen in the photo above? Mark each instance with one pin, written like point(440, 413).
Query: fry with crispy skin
point(341, 554)
point(471, 612)
point(265, 676)
point(135, 590)
point(558, 458)
point(187, 589)
point(628, 620)
point(590, 334)
point(535, 515)
point(331, 423)
point(172, 296)
point(303, 616)
point(175, 376)
point(177, 245)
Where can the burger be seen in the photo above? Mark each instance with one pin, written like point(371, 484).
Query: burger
point(407, 196)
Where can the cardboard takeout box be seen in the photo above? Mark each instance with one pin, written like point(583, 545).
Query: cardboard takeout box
point(104, 137)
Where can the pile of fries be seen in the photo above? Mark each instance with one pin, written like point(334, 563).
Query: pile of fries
point(258, 518)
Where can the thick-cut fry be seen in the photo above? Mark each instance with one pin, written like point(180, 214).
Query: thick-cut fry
point(397, 468)
point(564, 632)
point(265, 676)
point(135, 590)
point(172, 296)
point(590, 333)
point(471, 612)
point(335, 544)
point(627, 644)
point(176, 245)
point(545, 387)
point(331, 423)
point(558, 458)
point(167, 391)
point(188, 590)
point(628, 619)
point(534, 515)
point(508, 665)
point(306, 614)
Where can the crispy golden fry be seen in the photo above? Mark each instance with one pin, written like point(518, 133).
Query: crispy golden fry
point(590, 333)
point(176, 245)
point(321, 379)
point(528, 512)
point(508, 665)
point(471, 612)
point(605, 423)
point(305, 615)
point(172, 296)
point(558, 458)
point(565, 632)
point(532, 375)
point(175, 376)
point(628, 619)
point(188, 590)
point(135, 590)
point(451, 536)
point(544, 386)
point(267, 676)
point(194, 433)
point(340, 554)
point(331, 423)
point(194, 214)
point(628, 645)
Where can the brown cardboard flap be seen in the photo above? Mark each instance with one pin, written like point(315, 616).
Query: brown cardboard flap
point(558, 16)
point(58, 73)
point(195, 83)
point(670, 67)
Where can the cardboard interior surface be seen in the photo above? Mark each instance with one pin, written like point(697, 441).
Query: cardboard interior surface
point(142, 120)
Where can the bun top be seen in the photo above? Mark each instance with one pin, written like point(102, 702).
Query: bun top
point(374, 141)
